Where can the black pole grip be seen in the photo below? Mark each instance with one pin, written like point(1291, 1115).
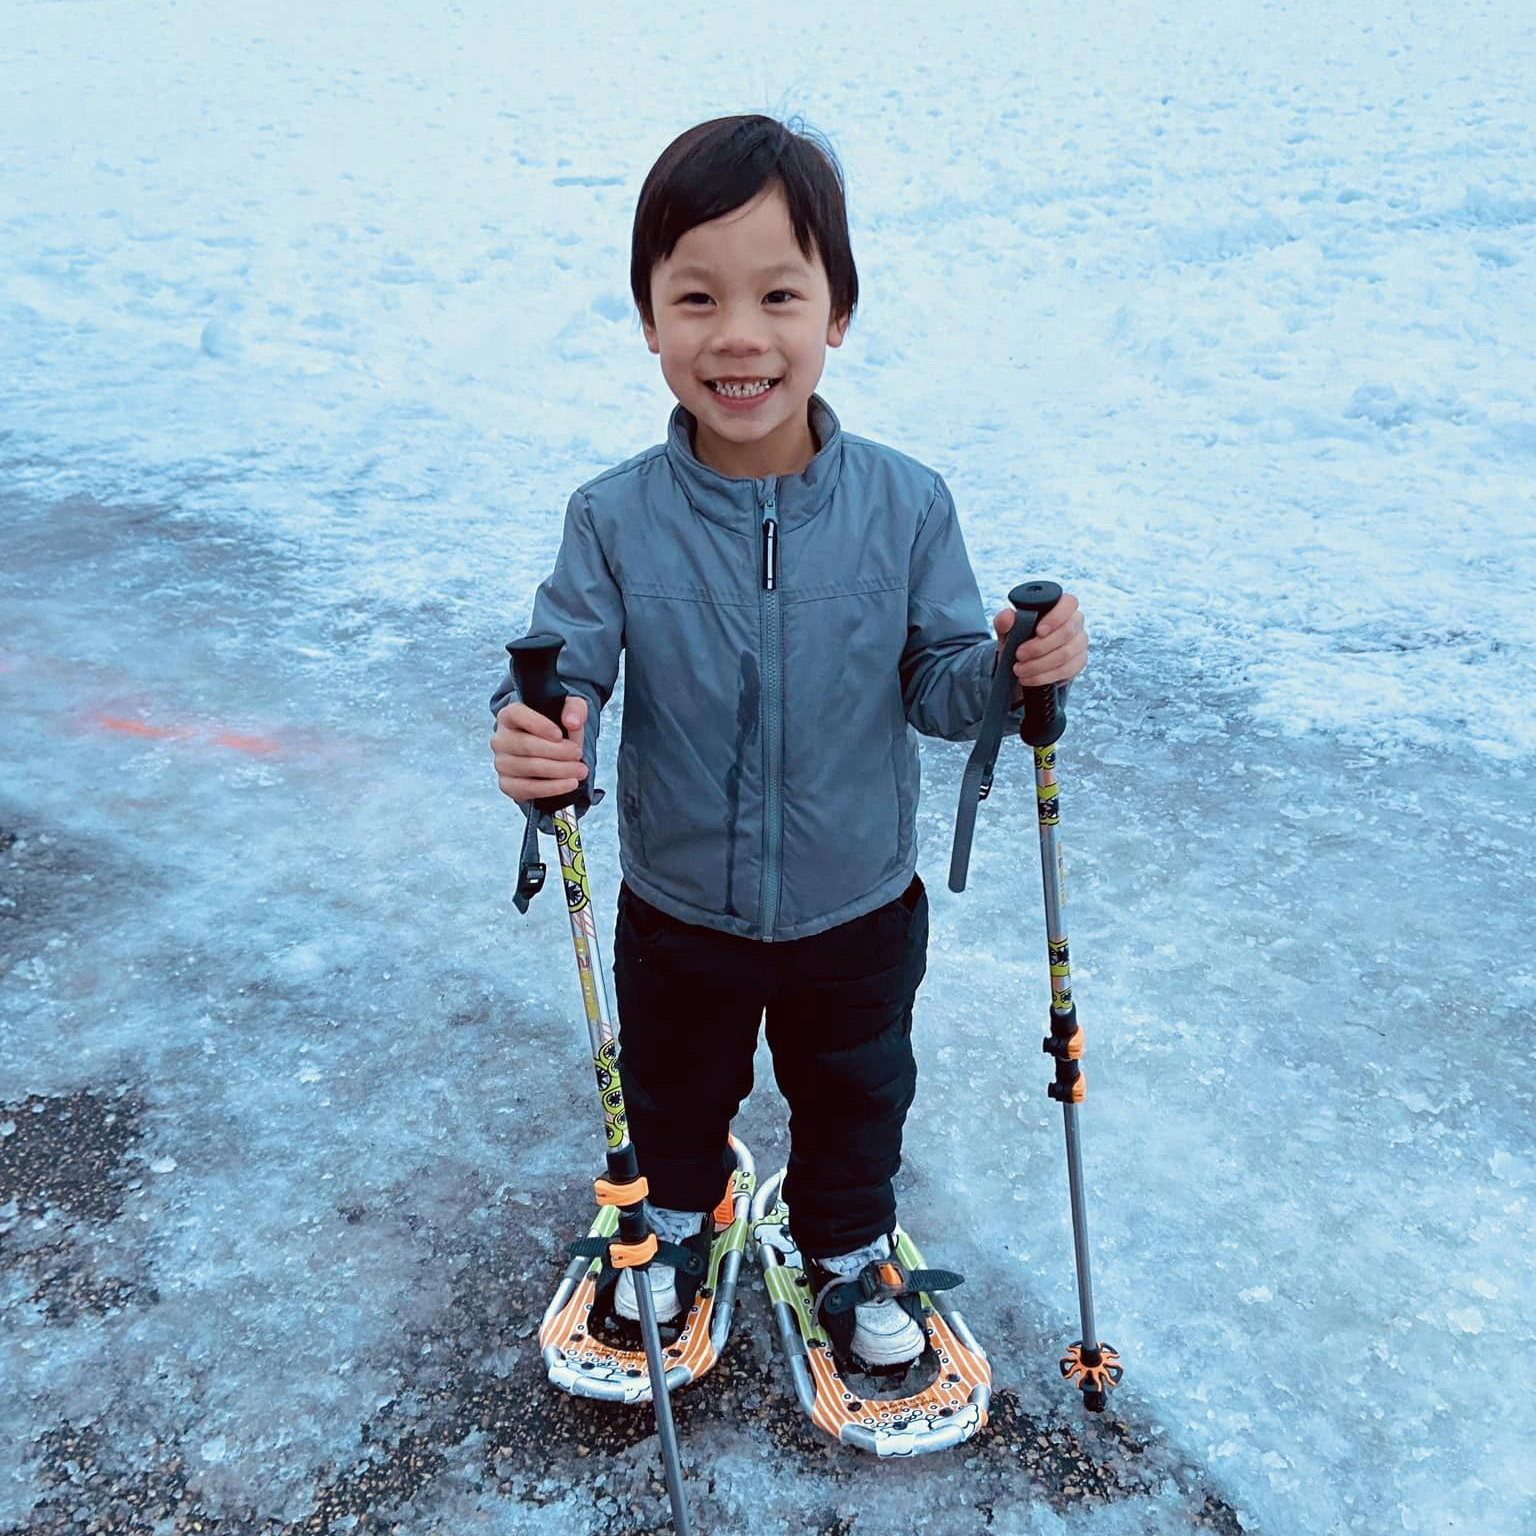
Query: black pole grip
point(1045, 716)
point(535, 665)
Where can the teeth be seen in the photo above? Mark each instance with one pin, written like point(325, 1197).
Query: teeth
point(741, 391)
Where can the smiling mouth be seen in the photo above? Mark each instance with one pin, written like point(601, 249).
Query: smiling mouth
point(741, 389)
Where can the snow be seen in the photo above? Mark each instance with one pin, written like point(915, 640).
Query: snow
point(1222, 316)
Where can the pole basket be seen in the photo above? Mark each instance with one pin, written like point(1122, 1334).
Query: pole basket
point(1095, 1371)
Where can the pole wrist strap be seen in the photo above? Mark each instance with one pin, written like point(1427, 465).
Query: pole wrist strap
point(977, 783)
point(530, 869)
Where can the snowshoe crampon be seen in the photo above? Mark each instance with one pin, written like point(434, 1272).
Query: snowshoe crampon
point(609, 1361)
point(948, 1409)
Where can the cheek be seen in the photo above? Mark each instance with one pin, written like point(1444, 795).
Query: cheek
point(813, 337)
point(676, 371)
point(673, 346)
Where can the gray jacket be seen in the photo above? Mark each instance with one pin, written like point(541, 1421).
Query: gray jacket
point(784, 640)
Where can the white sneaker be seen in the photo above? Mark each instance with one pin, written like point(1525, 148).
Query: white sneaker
point(883, 1333)
point(671, 1227)
point(663, 1294)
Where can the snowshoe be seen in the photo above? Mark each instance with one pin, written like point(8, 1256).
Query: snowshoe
point(948, 1402)
point(592, 1352)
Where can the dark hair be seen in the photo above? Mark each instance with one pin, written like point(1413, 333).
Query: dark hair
point(716, 167)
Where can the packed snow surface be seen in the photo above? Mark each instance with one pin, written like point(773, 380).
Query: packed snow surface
point(1223, 316)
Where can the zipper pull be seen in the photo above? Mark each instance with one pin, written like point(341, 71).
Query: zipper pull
point(771, 540)
point(770, 554)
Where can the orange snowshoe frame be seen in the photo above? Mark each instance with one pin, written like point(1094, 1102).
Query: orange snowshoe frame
point(949, 1410)
point(592, 1367)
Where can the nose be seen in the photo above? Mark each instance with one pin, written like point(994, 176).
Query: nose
point(741, 331)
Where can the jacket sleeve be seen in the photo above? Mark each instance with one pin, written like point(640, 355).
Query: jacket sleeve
point(581, 603)
point(947, 664)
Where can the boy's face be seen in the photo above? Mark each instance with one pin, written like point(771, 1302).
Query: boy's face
point(738, 303)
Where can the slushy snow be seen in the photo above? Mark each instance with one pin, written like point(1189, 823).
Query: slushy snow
point(1221, 316)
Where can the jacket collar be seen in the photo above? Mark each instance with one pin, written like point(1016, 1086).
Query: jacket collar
point(736, 503)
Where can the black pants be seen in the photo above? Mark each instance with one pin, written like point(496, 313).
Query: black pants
point(839, 1008)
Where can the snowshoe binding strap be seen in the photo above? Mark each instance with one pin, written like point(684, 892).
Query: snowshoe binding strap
point(880, 1280)
point(686, 1258)
point(689, 1258)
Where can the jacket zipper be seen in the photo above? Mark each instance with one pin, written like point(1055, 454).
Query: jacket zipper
point(773, 712)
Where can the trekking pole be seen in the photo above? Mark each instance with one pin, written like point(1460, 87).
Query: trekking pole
point(534, 664)
point(1092, 1366)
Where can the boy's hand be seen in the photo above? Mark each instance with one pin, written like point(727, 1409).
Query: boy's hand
point(1055, 653)
point(532, 758)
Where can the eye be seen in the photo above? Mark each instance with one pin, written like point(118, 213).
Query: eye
point(783, 293)
point(688, 298)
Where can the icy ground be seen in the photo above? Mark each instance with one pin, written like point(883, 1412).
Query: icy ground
point(1222, 315)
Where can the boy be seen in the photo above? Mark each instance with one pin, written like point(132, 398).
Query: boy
point(793, 601)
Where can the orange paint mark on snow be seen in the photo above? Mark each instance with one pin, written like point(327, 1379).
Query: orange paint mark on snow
point(256, 746)
point(139, 727)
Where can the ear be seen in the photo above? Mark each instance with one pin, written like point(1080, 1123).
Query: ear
point(652, 340)
point(837, 328)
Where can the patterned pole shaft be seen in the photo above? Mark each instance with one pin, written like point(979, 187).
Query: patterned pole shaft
point(1065, 1041)
point(595, 997)
point(535, 664)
